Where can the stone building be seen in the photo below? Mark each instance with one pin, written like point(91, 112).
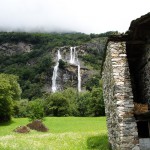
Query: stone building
point(126, 86)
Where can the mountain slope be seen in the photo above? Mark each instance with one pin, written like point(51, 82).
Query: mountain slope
point(32, 57)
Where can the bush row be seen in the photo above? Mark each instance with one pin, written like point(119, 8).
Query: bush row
point(65, 103)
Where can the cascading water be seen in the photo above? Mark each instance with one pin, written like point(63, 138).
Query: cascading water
point(55, 71)
point(79, 78)
point(73, 55)
point(74, 60)
point(71, 60)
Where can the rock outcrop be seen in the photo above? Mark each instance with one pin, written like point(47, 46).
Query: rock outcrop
point(9, 49)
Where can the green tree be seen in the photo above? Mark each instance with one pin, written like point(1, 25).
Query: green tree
point(96, 104)
point(44, 64)
point(62, 64)
point(35, 109)
point(71, 95)
point(56, 105)
point(92, 82)
point(83, 101)
point(9, 91)
point(20, 108)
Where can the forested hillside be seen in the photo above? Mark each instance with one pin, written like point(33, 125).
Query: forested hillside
point(29, 56)
point(32, 57)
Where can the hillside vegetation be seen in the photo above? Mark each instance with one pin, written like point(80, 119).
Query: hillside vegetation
point(31, 58)
point(33, 66)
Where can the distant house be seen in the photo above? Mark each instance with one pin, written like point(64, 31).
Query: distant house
point(126, 86)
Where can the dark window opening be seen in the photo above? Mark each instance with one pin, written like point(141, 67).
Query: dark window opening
point(143, 129)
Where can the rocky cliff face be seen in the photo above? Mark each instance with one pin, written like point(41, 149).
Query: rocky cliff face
point(9, 49)
point(68, 75)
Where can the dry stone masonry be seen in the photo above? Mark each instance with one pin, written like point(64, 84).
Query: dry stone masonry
point(118, 98)
point(126, 87)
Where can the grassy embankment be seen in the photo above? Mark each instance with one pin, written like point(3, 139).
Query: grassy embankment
point(65, 133)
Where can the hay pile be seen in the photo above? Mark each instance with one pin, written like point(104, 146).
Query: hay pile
point(37, 125)
point(22, 129)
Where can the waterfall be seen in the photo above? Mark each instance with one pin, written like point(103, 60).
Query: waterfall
point(79, 78)
point(74, 60)
point(71, 60)
point(58, 56)
point(54, 77)
point(73, 55)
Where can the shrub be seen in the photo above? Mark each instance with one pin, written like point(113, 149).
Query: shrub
point(56, 105)
point(99, 142)
point(71, 95)
point(96, 103)
point(35, 109)
point(83, 103)
point(20, 108)
point(62, 64)
point(92, 82)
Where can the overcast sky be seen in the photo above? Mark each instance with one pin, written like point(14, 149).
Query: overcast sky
point(87, 16)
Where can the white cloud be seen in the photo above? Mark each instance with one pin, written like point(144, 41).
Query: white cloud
point(89, 16)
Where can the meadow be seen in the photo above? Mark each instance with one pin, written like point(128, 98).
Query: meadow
point(65, 133)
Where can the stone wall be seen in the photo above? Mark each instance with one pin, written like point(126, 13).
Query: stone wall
point(118, 97)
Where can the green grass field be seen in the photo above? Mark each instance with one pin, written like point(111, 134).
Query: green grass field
point(65, 133)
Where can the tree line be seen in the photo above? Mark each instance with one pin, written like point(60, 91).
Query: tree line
point(65, 103)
